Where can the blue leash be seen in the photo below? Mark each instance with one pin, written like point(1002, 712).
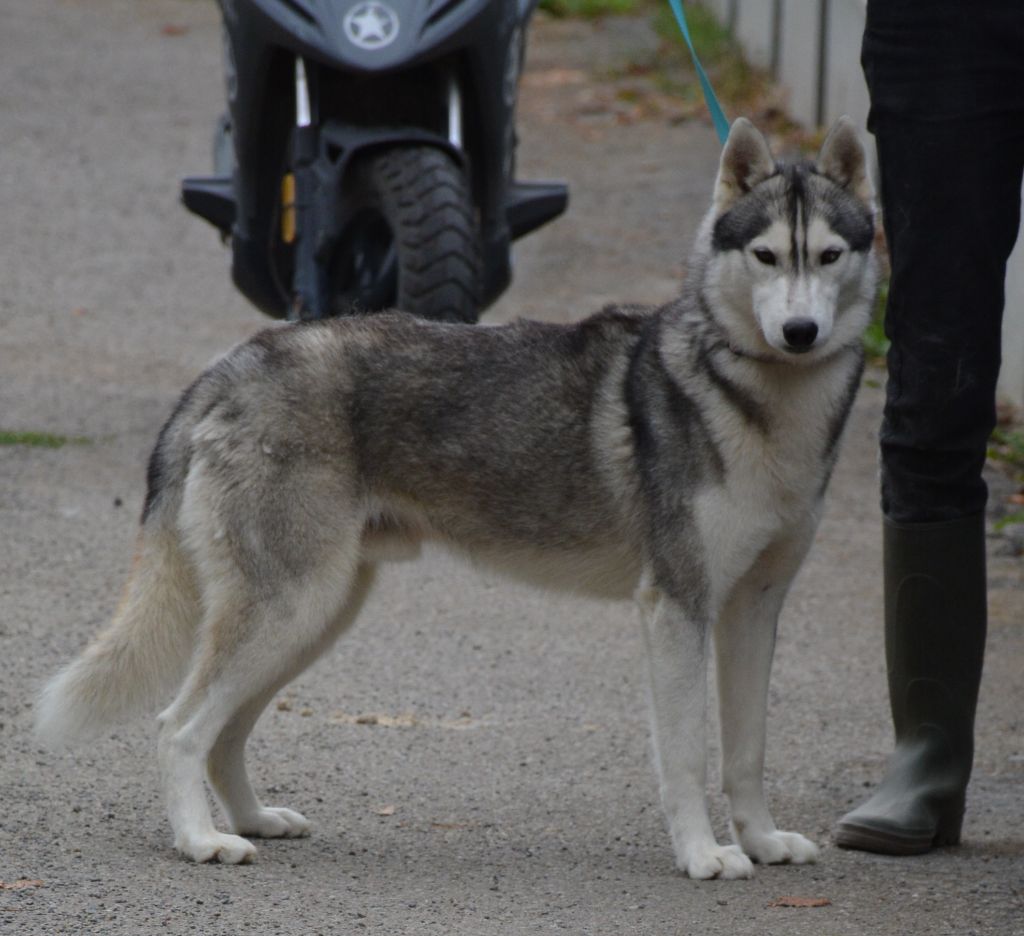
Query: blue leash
point(717, 114)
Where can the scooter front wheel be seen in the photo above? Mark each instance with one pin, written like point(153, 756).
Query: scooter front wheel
point(412, 241)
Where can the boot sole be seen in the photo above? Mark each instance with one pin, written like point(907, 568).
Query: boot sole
point(892, 842)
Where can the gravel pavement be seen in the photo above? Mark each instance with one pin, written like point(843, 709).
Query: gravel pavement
point(505, 784)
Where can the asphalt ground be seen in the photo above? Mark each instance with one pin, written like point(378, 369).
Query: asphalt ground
point(475, 755)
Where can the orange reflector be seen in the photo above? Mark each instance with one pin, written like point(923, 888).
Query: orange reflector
point(288, 208)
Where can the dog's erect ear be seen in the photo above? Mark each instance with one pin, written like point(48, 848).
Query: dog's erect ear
point(843, 160)
point(746, 161)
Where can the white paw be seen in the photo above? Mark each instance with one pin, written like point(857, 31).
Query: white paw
point(779, 848)
point(726, 862)
point(218, 846)
point(273, 822)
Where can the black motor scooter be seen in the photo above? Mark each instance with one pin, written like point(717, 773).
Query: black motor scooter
point(367, 157)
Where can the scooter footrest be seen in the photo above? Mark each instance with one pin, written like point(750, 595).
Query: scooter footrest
point(531, 204)
point(212, 198)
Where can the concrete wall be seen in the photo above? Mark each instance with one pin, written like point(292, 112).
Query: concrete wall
point(812, 48)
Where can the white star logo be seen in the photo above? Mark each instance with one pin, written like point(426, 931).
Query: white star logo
point(371, 25)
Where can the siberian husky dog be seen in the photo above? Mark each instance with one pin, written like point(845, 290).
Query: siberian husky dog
point(678, 454)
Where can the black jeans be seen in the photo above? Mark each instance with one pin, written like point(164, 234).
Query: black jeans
point(947, 110)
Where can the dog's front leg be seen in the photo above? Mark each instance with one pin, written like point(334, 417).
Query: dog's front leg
point(744, 646)
point(677, 643)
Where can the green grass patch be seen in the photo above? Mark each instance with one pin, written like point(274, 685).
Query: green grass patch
point(589, 9)
point(1009, 520)
point(40, 439)
point(875, 343)
point(1006, 446)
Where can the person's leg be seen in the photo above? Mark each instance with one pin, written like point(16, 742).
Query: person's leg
point(951, 197)
point(934, 643)
point(951, 202)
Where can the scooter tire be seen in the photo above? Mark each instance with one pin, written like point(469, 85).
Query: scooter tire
point(424, 196)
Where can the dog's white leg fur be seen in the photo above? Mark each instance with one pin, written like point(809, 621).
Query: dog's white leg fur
point(249, 644)
point(226, 762)
point(677, 657)
point(744, 646)
point(229, 779)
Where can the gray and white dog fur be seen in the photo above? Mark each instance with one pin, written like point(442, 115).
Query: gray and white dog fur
point(677, 454)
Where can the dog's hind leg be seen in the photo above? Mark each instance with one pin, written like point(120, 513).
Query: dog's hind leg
point(677, 655)
point(744, 646)
point(251, 642)
point(226, 763)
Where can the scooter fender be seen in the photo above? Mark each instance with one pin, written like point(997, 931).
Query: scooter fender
point(323, 161)
point(341, 142)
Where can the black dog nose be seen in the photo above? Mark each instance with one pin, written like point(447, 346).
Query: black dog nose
point(800, 333)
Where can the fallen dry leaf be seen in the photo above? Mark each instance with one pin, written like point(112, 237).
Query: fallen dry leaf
point(388, 810)
point(554, 78)
point(404, 720)
point(20, 884)
point(800, 902)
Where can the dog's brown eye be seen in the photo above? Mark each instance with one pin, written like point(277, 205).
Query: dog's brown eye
point(830, 255)
point(765, 256)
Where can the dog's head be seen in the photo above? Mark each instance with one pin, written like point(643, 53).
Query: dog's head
point(792, 271)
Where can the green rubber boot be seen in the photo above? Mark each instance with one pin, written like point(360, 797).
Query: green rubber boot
point(935, 622)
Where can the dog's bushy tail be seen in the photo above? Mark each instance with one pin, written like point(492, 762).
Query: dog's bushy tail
point(138, 659)
point(141, 657)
